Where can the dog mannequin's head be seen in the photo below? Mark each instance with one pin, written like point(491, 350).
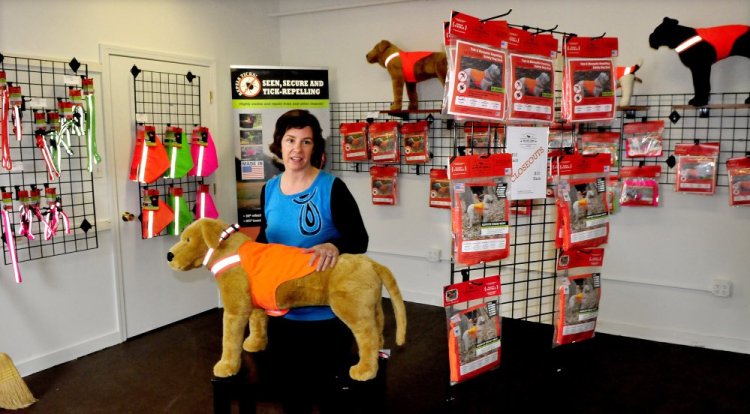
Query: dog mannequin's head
point(194, 243)
point(380, 48)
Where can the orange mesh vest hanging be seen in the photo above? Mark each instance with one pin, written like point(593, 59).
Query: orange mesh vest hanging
point(156, 215)
point(269, 265)
point(150, 158)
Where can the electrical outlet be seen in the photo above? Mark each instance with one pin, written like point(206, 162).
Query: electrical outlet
point(721, 288)
point(433, 255)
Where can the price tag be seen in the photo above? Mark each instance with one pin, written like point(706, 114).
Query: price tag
point(72, 80)
point(38, 103)
point(141, 118)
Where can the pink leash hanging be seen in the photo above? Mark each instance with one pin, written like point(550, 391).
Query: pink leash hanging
point(54, 214)
point(10, 238)
point(5, 107)
point(16, 105)
point(25, 214)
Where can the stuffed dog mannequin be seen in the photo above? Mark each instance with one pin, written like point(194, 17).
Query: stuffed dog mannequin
point(700, 48)
point(408, 68)
point(352, 289)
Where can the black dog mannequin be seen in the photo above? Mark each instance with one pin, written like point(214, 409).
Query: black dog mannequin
point(701, 48)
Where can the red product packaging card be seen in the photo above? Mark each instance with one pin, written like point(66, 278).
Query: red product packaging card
point(440, 194)
point(472, 311)
point(384, 188)
point(415, 137)
point(696, 167)
point(354, 141)
point(643, 139)
point(739, 181)
point(579, 292)
point(384, 143)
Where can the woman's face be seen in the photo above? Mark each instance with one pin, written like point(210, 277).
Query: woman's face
point(297, 148)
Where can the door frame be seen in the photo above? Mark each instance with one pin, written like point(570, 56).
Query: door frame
point(106, 51)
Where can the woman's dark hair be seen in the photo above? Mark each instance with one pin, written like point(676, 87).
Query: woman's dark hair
point(298, 119)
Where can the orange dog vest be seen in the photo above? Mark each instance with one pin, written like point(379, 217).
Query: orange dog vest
point(268, 266)
point(408, 60)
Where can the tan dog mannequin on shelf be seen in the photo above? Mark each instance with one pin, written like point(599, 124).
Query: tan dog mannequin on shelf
point(408, 68)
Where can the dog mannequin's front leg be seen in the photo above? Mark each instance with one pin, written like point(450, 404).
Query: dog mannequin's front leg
point(258, 338)
point(398, 93)
point(234, 330)
point(411, 92)
point(701, 84)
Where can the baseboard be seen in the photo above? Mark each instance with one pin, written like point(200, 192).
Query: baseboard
point(674, 336)
point(70, 353)
point(418, 297)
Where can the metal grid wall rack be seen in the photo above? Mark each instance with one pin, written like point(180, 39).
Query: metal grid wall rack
point(168, 99)
point(528, 275)
point(44, 83)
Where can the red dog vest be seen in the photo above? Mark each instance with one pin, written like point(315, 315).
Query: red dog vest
point(722, 38)
point(408, 61)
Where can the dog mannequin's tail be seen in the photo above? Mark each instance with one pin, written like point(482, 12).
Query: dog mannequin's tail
point(396, 300)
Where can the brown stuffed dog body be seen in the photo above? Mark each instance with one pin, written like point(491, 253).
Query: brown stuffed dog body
point(352, 289)
point(408, 68)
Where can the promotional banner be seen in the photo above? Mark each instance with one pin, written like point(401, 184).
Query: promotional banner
point(260, 95)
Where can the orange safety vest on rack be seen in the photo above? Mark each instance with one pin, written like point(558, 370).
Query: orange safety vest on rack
point(150, 158)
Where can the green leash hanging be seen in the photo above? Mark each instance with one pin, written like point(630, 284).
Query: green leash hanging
point(90, 125)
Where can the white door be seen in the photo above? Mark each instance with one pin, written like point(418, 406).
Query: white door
point(152, 294)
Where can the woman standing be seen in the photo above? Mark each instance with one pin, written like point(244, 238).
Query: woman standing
point(310, 208)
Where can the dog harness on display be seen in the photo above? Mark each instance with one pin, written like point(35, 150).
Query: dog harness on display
point(25, 214)
point(204, 204)
point(722, 39)
point(180, 158)
point(55, 214)
point(4, 108)
point(150, 158)
point(182, 214)
point(203, 151)
point(10, 238)
point(408, 61)
point(90, 124)
point(156, 214)
point(16, 103)
point(41, 143)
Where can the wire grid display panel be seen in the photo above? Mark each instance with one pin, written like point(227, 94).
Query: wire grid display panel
point(726, 120)
point(528, 274)
point(43, 83)
point(440, 141)
point(165, 99)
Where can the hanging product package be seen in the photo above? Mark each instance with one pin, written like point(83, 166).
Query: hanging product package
point(354, 141)
point(696, 167)
point(10, 238)
point(640, 185)
point(480, 209)
point(180, 158)
point(588, 90)
point(643, 139)
point(472, 311)
point(532, 76)
point(479, 137)
point(478, 67)
point(182, 214)
point(415, 136)
point(204, 203)
point(738, 170)
point(156, 214)
point(440, 194)
point(562, 140)
point(90, 125)
point(203, 150)
point(384, 185)
point(601, 143)
point(582, 210)
point(578, 294)
point(150, 158)
point(55, 214)
point(384, 144)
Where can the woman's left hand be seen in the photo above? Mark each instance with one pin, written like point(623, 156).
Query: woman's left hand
point(328, 254)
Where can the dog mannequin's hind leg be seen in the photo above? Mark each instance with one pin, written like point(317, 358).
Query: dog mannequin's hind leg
point(411, 92)
point(258, 338)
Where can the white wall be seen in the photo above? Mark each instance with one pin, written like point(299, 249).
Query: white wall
point(659, 263)
point(64, 309)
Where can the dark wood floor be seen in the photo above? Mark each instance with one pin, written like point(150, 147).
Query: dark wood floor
point(169, 371)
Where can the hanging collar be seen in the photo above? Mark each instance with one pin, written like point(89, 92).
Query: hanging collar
point(224, 235)
point(390, 58)
point(687, 44)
